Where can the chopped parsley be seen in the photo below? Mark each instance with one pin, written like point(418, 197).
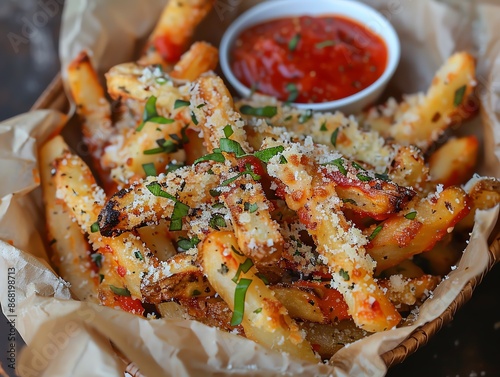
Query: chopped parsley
point(459, 96)
point(243, 267)
point(375, 232)
point(94, 227)
point(266, 111)
point(339, 163)
point(239, 301)
point(181, 103)
point(97, 259)
point(149, 169)
point(411, 215)
point(138, 255)
point(304, 117)
point(151, 115)
point(292, 44)
point(266, 154)
point(188, 243)
point(293, 92)
point(344, 274)
point(333, 138)
point(120, 291)
point(217, 221)
point(250, 207)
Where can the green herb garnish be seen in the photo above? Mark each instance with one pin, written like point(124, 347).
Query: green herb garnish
point(217, 221)
point(120, 291)
point(344, 274)
point(411, 215)
point(339, 163)
point(239, 301)
point(188, 243)
point(266, 111)
point(292, 44)
point(181, 103)
point(333, 138)
point(293, 92)
point(459, 95)
point(94, 227)
point(266, 154)
point(375, 232)
point(149, 169)
point(243, 267)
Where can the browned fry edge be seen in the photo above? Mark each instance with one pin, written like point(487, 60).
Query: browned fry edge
point(54, 98)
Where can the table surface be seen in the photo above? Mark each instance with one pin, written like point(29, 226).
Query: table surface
point(467, 347)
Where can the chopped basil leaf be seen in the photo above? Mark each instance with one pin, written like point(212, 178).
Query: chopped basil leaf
point(323, 128)
point(138, 255)
point(339, 163)
point(200, 105)
point(292, 44)
point(180, 210)
point(250, 207)
point(94, 227)
point(411, 215)
point(120, 291)
point(196, 292)
point(172, 167)
point(333, 138)
point(218, 205)
point(326, 43)
point(149, 169)
point(188, 243)
point(228, 131)
point(214, 192)
point(375, 232)
point(248, 171)
point(283, 160)
point(149, 112)
point(459, 95)
point(161, 120)
point(257, 311)
point(239, 301)
point(231, 146)
point(363, 177)
point(181, 103)
point(304, 117)
point(266, 111)
point(344, 274)
point(217, 157)
point(155, 189)
point(193, 118)
point(358, 166)
point(217, 221)
point(97, 259)
point(293, 92)
point(266, 154)
point(383, 177)
point(243, 267)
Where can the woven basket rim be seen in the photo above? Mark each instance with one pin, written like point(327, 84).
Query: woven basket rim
point(54, 97)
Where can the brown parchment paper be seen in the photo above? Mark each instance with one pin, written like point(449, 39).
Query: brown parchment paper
point(72, 338)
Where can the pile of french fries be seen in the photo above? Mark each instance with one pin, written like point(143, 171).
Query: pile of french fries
point(301, 231)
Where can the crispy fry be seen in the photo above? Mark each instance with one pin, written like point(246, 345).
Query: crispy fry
point(174, 31)
point(71, 252)
point(264, 318)
point(417, 228)
point(339, 244)
point(443, 105)
point(454, 163)
point(200, 58)
point(77, 187)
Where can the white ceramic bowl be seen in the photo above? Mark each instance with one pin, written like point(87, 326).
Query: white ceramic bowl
point(357, 11)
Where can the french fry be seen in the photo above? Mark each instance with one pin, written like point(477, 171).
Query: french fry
point(454, 162)
point(71, 252)
point(443, 105)
point(263, 317)
point(417, 228)
point(338, 242)
point(200, 58)
point(174, 30)
point(77, 188)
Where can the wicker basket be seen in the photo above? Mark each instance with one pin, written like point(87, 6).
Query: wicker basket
point(55, 98)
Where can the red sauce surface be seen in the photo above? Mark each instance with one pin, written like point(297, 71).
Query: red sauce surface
point(319, 58)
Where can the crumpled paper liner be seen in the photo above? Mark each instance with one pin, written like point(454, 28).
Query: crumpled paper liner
point(72, 338)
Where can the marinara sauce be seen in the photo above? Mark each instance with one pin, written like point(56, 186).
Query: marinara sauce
point(309, 59)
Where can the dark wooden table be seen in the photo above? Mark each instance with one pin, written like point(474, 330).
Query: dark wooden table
point(467, 347)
